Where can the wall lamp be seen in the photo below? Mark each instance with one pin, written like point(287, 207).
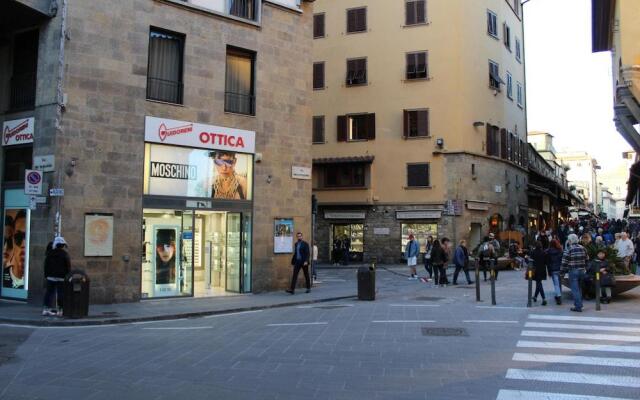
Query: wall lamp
point(478, 124)
point(440, 142)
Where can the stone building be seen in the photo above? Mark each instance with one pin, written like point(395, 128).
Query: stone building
point(419, 123)
point(169, 131)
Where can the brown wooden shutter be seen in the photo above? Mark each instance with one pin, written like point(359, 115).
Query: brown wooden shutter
point(362, 69)
point(421, 12)
point(405, 124)
point(361, 19)
point(488, 139)
point(410, 13)
point(371, 126)
point(423, 123)
point(351, 20)
point(318, 76)
point(503, 144)
point(411, 67)
point(342, 128)
point(318, 25)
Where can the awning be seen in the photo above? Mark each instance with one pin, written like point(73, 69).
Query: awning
point(540, 189)
point(634, 182)
point(344, 160)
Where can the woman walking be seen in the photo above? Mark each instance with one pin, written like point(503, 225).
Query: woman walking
point(540, 271)
point(461, 260)
point(438, 260)
point(554, 263)
point(427, 257)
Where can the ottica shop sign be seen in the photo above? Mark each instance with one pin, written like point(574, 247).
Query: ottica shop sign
point(18, 131)
point(191, 134)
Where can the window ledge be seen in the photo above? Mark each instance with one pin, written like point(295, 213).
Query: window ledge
point(521, 106)
point(495, 88)
point(510, 97)
point(357, 140)
point(428, 78)
point(326, 189)
point(240, 114)
point(493, 36)
point(319, 37)
point(417, 137)
point(319, 142)
point(322, 88)
point(213, 13)
point(165, 102)
point(417, 187)
point(356, 84)
point(356, 32)
point(427, 23)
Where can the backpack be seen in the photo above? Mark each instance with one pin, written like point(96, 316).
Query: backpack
point(486, 250)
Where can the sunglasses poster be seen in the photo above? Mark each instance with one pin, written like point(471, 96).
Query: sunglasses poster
point(179, 171)
point(15, 248)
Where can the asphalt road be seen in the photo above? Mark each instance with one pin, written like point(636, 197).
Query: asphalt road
point(413, 342)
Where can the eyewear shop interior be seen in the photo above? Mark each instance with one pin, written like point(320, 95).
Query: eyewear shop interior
point(197, 210)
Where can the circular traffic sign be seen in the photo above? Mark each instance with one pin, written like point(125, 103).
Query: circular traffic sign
point(34, 177)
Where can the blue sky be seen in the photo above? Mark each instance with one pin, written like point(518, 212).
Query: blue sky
point(569, 88)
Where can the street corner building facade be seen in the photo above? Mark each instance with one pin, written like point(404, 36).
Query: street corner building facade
point(615, 29)
point(166, 140)
point(419, 123)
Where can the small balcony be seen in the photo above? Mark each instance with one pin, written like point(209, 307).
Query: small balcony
point(240, 103)
point(23, 92)
point(168, 91)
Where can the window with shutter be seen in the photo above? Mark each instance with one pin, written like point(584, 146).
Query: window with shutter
point(356, 72)
point(416, 12)
point(318, 75)
point(503, 144)
point(417, 65)
point(416, 123)
point(418, 175)
point(357, 20)
point(492, 23)
point(507, 36)
point(342, 128)
point(509, 86)
point(519, 94)
point(518, 50)
point(494, 75)
point(318, 129)
point(318, 26)
point(344, 175)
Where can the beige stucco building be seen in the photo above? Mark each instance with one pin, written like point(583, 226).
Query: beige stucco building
point(419, 122)
point(170, 129)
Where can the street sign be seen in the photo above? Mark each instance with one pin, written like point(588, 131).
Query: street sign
point(32, 182)
point(44, 163)
point(32, 203)
point(56, 192)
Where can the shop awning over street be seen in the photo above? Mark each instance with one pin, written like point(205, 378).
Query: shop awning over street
point(344, 160)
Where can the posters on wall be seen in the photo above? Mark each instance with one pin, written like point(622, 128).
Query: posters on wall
point(164, 261)
point(217, 174)
point(283, 236)
point(15, 253)
point(98, 235)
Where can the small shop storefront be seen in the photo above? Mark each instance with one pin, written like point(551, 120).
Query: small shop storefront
point(17, 147)
point(197, 219)
point(419, 223)
point(346, 233)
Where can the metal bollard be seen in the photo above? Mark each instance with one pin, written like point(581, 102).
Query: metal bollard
point(530, 285)
point(477, 281)
point(493, 285)
point(597, 290)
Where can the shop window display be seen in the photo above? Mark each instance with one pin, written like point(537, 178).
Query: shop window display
point(347, 236)
point(421, 231)
point(15, 246)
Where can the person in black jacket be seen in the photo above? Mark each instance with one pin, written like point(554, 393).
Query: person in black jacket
point(300, 260)
point(540, 271)
point(57, 265)
point(438, 260)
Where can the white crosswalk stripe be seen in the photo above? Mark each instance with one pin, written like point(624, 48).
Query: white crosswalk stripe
point(596, 354)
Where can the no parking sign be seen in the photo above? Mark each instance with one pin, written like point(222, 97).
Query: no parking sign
point(32, 182)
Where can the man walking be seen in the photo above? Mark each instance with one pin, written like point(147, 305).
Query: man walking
point(575, 261)
point(300, 260)
point(411, 254)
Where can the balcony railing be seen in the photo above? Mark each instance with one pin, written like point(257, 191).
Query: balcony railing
point(23, 92)
point(240, 103)
point(164, 90)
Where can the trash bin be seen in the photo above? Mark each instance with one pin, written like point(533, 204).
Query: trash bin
point(76, 295)
point(366, 283)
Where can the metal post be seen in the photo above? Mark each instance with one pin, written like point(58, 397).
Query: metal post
point(597, 290)
point(477, 281)
point(530, 286)
point(493, 285)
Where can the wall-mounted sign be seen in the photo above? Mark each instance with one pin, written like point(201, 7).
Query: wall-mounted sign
point(477, 205)
point(191, 134)
point(32, 182)
point(419, 214)
point(498, 189)
point(300, 172)
point(344, 214)
point(283, 235)
point(18, 131)
point(381, 231)
point(98, 235)
point(56, 192)
point(44, 163)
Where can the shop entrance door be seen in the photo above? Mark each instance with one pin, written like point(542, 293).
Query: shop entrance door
point(185, 277)
point(234, 252)
point(348, 243)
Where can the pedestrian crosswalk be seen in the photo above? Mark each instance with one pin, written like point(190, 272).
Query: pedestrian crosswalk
point(594, 356)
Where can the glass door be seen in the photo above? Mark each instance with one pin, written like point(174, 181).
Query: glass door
point(187, 242)
point(234, 252)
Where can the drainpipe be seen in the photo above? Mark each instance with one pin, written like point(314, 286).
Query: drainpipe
point(60, 105)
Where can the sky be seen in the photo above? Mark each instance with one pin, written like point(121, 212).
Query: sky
point(569, 88)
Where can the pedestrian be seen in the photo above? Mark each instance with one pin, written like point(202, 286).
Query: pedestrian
point(539, 259)
point(57, 265)
point(625, 249)
point(411, 251)
point(485, 253)
point(496, 253)
point(336, 251)
point(554, 264)
point(446, 246)
point(346, 250)
point(314, 262)
point(427, 256)
point(607, 280)
point(575, 260)
point(461, 260)
point(300, 260)
point(438, 259)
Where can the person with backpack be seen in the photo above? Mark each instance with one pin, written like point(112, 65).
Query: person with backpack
point(438, 259)
point(427, 257)
point(57, 265)
point(486, 254)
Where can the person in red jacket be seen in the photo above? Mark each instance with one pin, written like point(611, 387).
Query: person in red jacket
point(57, 265)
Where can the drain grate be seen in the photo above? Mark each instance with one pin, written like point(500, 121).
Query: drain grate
point(444, 332)
point(428, 298)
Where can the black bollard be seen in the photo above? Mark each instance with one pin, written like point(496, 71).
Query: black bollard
point(493, 285)
point(530, 286)
point(597, 290)
point(477, 282)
